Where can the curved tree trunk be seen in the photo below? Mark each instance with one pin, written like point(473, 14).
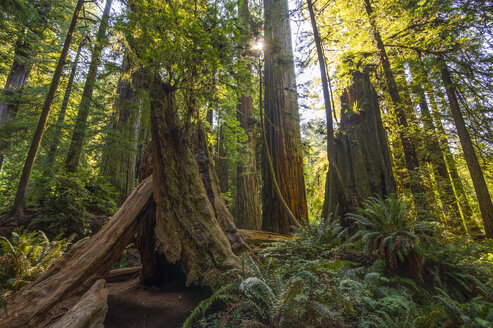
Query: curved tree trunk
point(281, 124)
point(361, 146)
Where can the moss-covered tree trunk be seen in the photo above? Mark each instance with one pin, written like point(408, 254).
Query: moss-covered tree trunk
point(186, 230)
point(362, 153)
point(281, 124)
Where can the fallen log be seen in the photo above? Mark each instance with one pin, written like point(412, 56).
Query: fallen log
point(81, 266)
point(123, 274)
point(256, 237)
point(90, 311)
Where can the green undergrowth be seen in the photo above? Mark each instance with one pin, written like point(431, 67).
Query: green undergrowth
point(325, 279)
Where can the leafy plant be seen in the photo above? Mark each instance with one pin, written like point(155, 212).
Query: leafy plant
point(26, 256)
point(387, 234)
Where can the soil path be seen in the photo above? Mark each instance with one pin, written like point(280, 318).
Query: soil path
point(130, 305)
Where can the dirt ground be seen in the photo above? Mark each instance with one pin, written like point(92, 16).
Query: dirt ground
point(130, 305)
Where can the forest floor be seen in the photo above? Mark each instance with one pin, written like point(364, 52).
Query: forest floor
point(130, 305)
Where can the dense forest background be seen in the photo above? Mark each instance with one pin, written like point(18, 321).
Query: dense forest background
point(363, 127)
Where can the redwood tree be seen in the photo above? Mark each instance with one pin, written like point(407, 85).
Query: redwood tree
point(281, 124)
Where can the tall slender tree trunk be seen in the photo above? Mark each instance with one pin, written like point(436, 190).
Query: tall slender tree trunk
point(9, 104)
point(120, 154)
point(460, 194)
point(482, 193)
point(281, 123)
point(335, 178)
point(247, 196)
point(20, 197)
point(63, 110)
point(77, 141)
point(436, 158)
point(410, 156)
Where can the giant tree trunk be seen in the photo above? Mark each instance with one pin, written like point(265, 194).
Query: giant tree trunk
point(81, 266)
point(281, 124)
point(120, 153)
point(9, 104)
point(482, 193)
point(20, 197)
point(187, 231)
point(411, 159)
point(77, 141)
point(362, 154)
point(63, 109)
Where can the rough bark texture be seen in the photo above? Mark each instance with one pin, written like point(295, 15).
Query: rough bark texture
point(77, 141)
point(120, 154)
point(9, 104)
point(482, 193)
point(362, 154)
point(247, 197)
point(81, 266)
point(256, 237)
point(281, 123)
point(187, 231)
point(411, 159)
point(90, 311)
point(63, 109)
point(20, 196)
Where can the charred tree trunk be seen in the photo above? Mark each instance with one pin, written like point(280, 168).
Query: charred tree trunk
point(20, 197)
point(187, 231)
point(63, 109)
point(410, 156)
point(16, 80)
point(482, 193)
point(281, 124)
point(361, 146)
point(120, 153)
point(77, 141)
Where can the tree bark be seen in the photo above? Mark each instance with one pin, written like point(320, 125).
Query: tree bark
point(410, 156)
point(81, 266)
point(361, 146)
point(247, 195)
point(16, 80)
point(20, 197)
point(120, 154)
point(482, 193)
point(63, 109)
point(77, 141)
point(281, 124)
point(187, 231)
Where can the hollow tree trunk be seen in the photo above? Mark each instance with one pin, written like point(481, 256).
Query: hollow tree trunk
point(63, 109)
point(78, 135)
point(247, 196)
point(482, 193)
point(186, 229)
point(361, 146)
point(281, 124)
point(20, 197)
point(120, 153)
point(81, 266)
point(411, 159)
